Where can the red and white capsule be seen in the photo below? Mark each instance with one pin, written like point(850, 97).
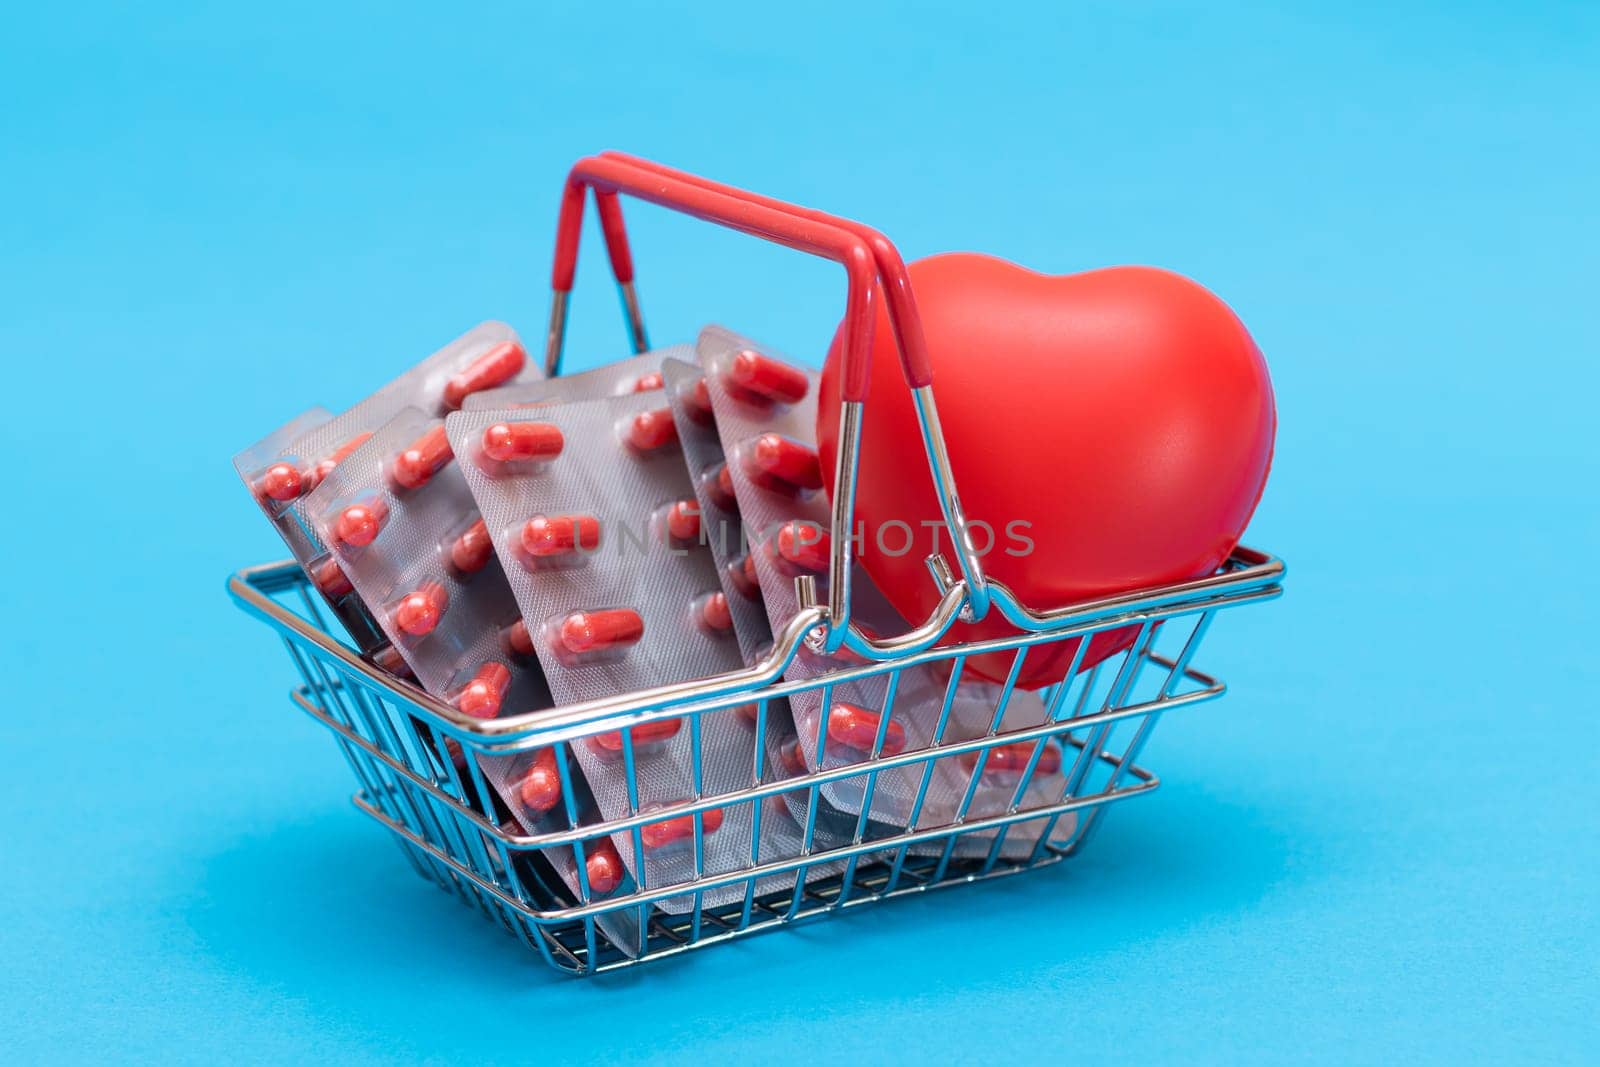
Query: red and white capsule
point(520, 442)
point(482, 696)
point(853, 726)
point(359, 524)
point(649, 431)
point(751, 373)
point(471, 552)
point(420, 610)
point(782, 463)
point(416, 465)
point(495, 367)
point(553, 536)
point(586, 633)
point(679, 828)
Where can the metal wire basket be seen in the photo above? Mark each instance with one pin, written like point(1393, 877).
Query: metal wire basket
point(420, 763)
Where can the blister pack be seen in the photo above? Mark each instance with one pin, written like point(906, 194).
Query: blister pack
point(272, 473)
point(637, 374)
point(486, 356)
point(765, 409)
point(581, 500)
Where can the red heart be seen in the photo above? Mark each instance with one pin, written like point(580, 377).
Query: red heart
point(1123, 416)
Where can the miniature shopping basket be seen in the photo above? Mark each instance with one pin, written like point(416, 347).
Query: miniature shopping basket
point(417, 760)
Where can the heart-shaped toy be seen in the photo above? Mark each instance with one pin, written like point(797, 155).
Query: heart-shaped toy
point(1109, 431)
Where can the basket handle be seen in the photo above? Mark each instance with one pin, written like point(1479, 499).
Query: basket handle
point(867, 257)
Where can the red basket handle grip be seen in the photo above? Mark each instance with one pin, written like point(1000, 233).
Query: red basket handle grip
point(786, 225)
point(901, 302)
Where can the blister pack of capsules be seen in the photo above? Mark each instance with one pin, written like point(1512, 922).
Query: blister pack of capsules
point(765, 412)
point(487, 356)
point(401, 521)
point(720, 528)
point(272, 473)
point(580, 499)
point(637, 374)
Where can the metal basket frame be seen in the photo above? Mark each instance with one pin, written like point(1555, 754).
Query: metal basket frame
point(448, 821)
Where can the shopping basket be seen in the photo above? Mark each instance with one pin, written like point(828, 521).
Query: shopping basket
point(419, 762)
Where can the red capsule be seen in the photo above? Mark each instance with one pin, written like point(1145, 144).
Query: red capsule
point(750, 713)
point(792, 758)
point(495, 367)
point(855, 727)
point(802, 548)
point(472, 551)
point(650, 732)
point(714, 613)
point(518, 639)
point(547, 536)
point(508, 442)
point(650, 430)
point(359, 524)
point(420, 610)
point(332, 580)
point(646, 382)
point(683, 520)
point(324, 467)
point(768, 378)
point(282, 482)
point(1012, 760)
point(540, 788)
point(742, 572)
point(656, 834)
point(482, 696)
point(610, 629)
point(698, 403)
point(719, 484)
point(603, 867)
point(425, 457)
point(779, 462)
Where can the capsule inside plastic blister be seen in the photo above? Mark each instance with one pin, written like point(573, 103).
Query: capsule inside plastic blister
point(648, 432)
point(711, 615)
point(696, 400)
point(419, 611)
point(415, 465)
point(494, 368)
point(325, 466)
point(601, 635)
point(517, 640)
point(517, 448)
point(555, 542)
point(647, 738)
point(358, 523)
point(471, 549)
point(603, 867)
point(1007, 762)
point(758, 379)
point(539, 787)
point(854, 727)
point(485, 691)
point(331, 578)
point(678, 830)
point(717, 483)
point(647, 382)
point(781, 464)
point(677, 525)
point(800, 547)
point(280, 483)
point(742, 573)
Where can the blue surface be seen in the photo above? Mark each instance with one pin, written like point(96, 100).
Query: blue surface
point(1382, 845)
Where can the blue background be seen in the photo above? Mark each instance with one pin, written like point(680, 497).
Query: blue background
point(1382, 845)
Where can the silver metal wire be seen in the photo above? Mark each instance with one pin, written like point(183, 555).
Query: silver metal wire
point(417, 764)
